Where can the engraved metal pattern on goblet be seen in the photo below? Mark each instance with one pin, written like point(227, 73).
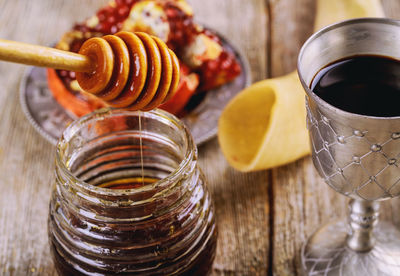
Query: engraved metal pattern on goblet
point(358, 156)
point(353, 160)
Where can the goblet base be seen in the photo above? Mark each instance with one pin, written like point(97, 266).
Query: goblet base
point(326, 252)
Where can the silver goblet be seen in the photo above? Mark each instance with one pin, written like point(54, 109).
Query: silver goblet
point(357, 155)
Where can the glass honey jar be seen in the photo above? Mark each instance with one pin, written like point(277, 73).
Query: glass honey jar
point(129, 198)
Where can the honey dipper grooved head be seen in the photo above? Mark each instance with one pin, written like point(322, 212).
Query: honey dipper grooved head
point(133, 70)
point(153, 72)
point(175, 76)
point(166, 76)
point(102, 55)
point(138, 70)
point(120, 73)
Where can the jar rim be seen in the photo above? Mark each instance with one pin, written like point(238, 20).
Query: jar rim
point(189, 156)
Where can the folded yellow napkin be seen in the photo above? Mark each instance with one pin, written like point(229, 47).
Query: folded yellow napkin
point(264, 126)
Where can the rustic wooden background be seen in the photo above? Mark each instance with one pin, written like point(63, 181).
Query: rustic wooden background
point(263, 217)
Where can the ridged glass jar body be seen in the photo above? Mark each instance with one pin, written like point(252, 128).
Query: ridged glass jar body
point(105, 219)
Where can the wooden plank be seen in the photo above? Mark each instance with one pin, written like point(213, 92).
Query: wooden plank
point(296, 208)
point(392, 10)
point(241, 199)
point(291, 24)
point(302, 202)
point(26, 159)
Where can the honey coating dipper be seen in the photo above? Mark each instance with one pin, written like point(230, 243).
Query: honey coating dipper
point(126, 70)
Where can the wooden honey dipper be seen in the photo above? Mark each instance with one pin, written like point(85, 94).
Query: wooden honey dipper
point(126, 70)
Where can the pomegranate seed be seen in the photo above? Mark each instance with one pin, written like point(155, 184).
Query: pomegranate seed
point(63, 73)
point(101, 16)
point(236, 68)
point(108, 10)
point(101, 27)
point(111, 19)
point(226, 64)
point(170, 13)
point(113, 29)
point(178, 34)
point(212, 66)
point(123, 11)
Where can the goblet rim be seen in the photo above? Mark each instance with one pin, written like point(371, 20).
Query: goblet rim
point(316, 35)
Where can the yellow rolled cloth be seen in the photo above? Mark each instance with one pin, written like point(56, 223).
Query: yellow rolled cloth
point(264, 126)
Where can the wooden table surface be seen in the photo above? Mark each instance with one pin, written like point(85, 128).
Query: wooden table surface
point(263, 217)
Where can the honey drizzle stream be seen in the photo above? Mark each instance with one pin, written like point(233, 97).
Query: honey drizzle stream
point(141, 145)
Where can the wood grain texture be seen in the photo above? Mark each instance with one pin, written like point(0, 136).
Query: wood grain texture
point(301, 200)
point(241, 199)
point(26, 159)
point(263, 217)
point(390, 208)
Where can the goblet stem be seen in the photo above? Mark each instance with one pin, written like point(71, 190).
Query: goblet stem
point(362, 219)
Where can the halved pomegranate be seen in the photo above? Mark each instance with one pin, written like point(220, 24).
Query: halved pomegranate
point(207, 64)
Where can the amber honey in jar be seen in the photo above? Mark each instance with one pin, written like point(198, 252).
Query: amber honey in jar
point(129, 198)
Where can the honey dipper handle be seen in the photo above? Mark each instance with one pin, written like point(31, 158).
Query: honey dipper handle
point(43, 56)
